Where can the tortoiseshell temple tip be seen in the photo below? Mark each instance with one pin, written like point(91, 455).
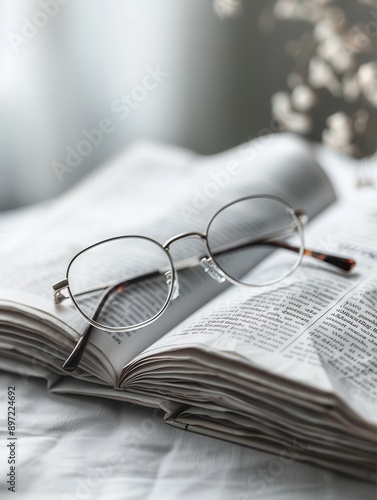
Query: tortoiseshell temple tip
point(71, 364)
point(74, 358)
point(333, 260)
point(340, 262)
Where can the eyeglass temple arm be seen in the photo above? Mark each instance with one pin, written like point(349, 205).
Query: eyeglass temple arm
point(72, 362)
point(343, 263)
point(334, 260)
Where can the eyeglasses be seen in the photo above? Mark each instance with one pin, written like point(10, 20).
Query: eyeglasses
point(125, 283)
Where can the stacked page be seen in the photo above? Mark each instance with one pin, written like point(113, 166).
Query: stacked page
point(288, 366)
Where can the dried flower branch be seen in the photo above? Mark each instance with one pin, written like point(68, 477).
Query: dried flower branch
point(337, 60)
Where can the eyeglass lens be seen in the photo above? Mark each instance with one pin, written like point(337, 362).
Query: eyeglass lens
point(245, 232)
point(121, 282)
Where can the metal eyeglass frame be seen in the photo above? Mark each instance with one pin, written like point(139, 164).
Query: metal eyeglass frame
point(209, 263)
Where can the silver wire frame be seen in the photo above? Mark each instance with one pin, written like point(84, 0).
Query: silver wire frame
point(208, 262)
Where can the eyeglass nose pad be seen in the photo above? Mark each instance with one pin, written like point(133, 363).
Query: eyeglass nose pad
point(175, 293)
point(211, 269)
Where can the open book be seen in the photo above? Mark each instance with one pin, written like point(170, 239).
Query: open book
point(288, 368)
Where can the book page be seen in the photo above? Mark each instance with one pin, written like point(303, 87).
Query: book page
point(317, 328)
point(35, 251)
point(156, 192)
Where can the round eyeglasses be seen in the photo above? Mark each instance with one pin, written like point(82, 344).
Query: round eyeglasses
point(126, 282)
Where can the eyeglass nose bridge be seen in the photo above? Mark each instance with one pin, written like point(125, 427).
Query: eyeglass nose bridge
point(183, 236)
point(207, 263)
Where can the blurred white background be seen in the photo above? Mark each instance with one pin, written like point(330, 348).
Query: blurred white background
point(68, 74)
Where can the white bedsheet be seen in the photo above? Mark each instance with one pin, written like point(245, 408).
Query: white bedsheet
point(70, 447)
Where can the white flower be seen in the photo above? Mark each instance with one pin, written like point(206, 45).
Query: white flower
point(339, 133)
point(322, 75)
point(333, 51)
point(281, 103)
point(289, 120)
point(299, 123)
point(227, 8)
point(367, 79)
point(303, 98)
point(322, 30)
point(286, 9)
point(306, 10)
point(351, 88)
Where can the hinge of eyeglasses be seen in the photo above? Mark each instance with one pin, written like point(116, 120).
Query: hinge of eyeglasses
point(58, 287)
point(175, 292)
point(211, 269)
point(302, 216)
